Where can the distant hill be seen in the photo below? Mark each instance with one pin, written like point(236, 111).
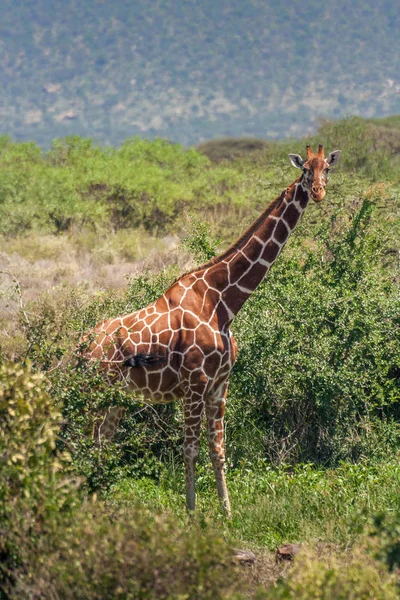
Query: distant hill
point(192, 71)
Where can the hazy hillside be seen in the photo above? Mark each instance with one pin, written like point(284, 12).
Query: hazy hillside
point(195, 70)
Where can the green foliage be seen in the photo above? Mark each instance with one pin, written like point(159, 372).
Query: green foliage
point(33, 488)
point(276, 505)
point(29, 426)
point(199, 242)
point(126, 554)
point(366, 151)
point(336, 577)
point(232, 148)
point(54, 544)
point(80, 185)
point(385, 532)
point(319, 348)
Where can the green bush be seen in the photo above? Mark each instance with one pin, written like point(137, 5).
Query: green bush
point(361, 142)
point(319, 348)
point(78, 185)
point(385, 535)
point(33, 487)
point(351, 575)
point(55, 544)
point(126, 554)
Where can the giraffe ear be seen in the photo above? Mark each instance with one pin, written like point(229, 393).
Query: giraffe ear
point(296, 161)
point(333, 158)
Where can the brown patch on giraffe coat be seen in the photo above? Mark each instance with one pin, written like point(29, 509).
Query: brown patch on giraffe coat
point(221, 314)
point(268, 228)
point(176, 360)
point(135, 337)
point(137, 376)
point(161, 305)
point(97, 351)
point(145, 335)
point(187, 337)
point(154, 381)
point(150, 319)
point(200, 287)
point(271, 251)
point(211, 298)
point(192, 420)
point(187, 280)
point(212, 363)
point(168, 380)
point(234, 303)
point(197, 385)
point(121, 336)
point(302, 197)
point(162, 322)
point(176, 319)
point(127, 348)
point(165, 337)
point(281, 233)
point(216, 276)
point(238, 267)
point(291, 215)
point(252, 278)
point(175, 295)
point(112, 326)
point(193, 358)
point(253, 250)
point(204, 337)
point(130, 320)
point(190, 320)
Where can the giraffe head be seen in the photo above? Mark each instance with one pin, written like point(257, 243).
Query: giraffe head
point(315, 170)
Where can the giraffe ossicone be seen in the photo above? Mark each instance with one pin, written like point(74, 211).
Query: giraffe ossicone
point(181, 346)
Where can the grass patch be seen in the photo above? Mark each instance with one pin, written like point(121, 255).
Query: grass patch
point(277, 505)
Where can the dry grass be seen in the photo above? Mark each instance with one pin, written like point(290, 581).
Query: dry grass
point(37, 265)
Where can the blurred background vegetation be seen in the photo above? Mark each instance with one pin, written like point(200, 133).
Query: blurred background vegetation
point(193, 71)
point(313, 435)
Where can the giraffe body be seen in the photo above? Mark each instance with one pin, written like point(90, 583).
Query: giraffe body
point(181, 346)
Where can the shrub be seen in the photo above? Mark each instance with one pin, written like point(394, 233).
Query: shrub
point(32, 486)
point(55, 544)
point(319, 349)
point(351, 575)
point(360, 140)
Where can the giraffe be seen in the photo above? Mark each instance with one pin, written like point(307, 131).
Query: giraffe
point(181, 347)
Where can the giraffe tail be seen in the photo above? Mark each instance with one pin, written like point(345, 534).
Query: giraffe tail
point(144, 360)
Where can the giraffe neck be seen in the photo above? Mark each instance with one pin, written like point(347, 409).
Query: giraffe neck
point(239, 273)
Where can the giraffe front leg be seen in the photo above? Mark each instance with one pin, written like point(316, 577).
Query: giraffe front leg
point(215, 408)
point(193, 411)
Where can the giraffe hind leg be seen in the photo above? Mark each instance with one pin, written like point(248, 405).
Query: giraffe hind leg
point(193, 411)
point(106, 425)
point(215, 409)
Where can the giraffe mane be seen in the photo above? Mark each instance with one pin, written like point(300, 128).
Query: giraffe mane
point(241, 240)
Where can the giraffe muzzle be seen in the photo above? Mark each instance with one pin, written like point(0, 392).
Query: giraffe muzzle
point(318, 193)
